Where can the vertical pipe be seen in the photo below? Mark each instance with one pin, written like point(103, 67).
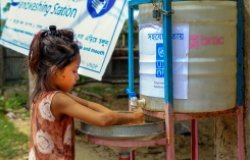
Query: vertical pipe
point(130, 89)
point(240, 82)
point(132, 155)
point(169, 122)
point(168, 79)
point(167, 44)
point(240, 133)
point(240, 58)
point(195, 146)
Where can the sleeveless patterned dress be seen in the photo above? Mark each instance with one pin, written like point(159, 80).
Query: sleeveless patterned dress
point(50, 139)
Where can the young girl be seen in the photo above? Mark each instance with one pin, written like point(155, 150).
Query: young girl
point(54, 59)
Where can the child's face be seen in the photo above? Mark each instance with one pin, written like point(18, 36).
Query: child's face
point(66, 78)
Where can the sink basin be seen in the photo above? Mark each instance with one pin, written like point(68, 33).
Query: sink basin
point(150, 129)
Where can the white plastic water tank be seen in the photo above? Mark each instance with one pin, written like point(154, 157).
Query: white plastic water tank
point(204, 56)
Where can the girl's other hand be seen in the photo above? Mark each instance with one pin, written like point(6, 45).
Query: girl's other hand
point(139, 116)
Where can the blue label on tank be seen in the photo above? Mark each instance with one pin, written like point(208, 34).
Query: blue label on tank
point(97, 8)
point(159, 64)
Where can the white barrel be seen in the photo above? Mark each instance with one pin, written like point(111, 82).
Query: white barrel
point(204, 56)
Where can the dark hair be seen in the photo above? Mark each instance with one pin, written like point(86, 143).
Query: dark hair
point(50, 49)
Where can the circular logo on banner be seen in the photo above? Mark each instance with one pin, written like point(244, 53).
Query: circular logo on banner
point(97, 8)
point(14, 3)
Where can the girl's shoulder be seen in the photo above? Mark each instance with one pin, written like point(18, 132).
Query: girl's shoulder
point(46, 97)
point(60, 103)
point(62, 99)
point(53, 102)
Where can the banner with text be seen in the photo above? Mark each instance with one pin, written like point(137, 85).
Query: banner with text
point(96, 23)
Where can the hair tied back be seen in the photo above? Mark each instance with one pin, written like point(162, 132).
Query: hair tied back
point(52, 31)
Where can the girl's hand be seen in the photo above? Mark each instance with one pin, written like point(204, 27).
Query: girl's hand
point(139, 116)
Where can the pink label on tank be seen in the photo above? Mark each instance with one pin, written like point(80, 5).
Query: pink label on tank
point(197, 41)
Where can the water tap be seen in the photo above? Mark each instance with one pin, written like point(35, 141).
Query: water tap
point(134, 103)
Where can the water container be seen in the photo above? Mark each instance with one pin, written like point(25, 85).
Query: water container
point(204, 56)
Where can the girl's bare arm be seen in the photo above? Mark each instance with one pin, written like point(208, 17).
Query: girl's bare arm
point(92, 105)
point(64, 104)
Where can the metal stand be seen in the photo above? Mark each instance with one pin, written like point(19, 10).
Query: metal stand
point(238, 111)
point(168, 113)
point(128, 146)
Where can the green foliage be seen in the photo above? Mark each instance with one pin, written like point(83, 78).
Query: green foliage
point(2, 105)
point(16, 101)
point(12, 142)
point(2, 101)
